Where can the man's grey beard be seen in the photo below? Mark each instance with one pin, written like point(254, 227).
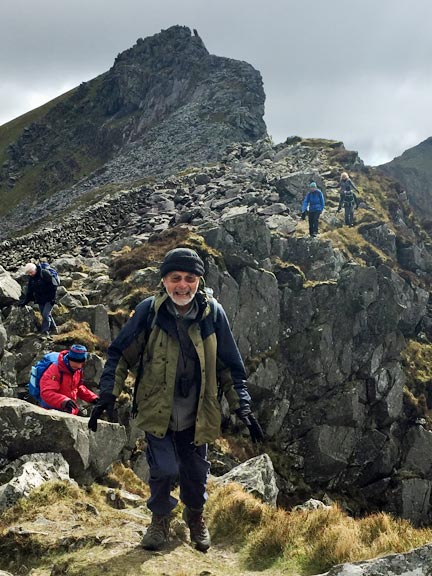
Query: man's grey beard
point(182, 302)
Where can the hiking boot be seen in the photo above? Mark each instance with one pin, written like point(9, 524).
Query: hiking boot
point(199, 533)
point(44, 335)
point(157, 533)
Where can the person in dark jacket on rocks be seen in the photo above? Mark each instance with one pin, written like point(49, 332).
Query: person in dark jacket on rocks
point(188, 356)
point(314, 200)
point(63, 382)
point(346, 183)
point(41, 290)
point(348, 200)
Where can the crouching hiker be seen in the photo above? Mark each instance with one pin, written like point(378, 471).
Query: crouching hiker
point(62, 381)
point(180, 344)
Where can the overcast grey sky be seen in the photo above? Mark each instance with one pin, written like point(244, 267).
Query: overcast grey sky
point(359, 71)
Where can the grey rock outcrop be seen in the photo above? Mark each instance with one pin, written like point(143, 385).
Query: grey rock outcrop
point(28, 429)
point(415, 563)
point(29, 472)
point(256, 476)
point(165, 104)
point(321, 333)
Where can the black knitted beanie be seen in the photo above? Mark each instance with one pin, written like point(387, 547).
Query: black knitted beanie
point(183, 260)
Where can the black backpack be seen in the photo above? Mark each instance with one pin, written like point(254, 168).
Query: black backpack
point(348, 196)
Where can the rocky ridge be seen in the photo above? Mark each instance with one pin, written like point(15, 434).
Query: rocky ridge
point(263, 179)
point(323, 323)
point(245, 211)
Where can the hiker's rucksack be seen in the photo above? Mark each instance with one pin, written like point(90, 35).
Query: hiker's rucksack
point(55, 278)
point(348, 196)
point(36, 374)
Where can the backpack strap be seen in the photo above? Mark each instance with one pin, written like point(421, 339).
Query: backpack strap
point(214, 305)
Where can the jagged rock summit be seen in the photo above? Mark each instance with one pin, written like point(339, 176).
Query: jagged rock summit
point(165, 104)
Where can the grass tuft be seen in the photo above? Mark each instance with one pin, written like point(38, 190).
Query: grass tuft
point(233, 514)
point(72, 332)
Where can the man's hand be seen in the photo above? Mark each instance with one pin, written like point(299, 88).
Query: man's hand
point(303, 215)
point(246, 416)
point(68, 406)
point(105, 402)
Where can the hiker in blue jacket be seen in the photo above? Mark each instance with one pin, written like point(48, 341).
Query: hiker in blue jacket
point(41, 290)
point(314, 200)
point(180, 345)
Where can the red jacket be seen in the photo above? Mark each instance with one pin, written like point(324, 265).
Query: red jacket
point(58, 383)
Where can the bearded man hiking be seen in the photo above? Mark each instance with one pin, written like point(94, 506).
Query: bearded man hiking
point(179, 356)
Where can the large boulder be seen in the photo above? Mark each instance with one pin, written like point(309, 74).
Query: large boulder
point(256, 476)
point(28, 429)
point(10, 290)
point(19, 477)
point(97, 318)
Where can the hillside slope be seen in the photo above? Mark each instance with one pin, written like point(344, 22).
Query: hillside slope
point(413, 169)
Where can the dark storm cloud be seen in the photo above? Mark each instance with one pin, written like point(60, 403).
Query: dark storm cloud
point(356, 71)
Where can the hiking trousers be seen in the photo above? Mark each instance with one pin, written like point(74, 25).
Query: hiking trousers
point(313, 222)
point(176, 458)
point(47, 319)
point(349, 214)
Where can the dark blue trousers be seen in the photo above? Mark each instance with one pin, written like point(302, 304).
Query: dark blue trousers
point(47, 319)
point(313, 222)
point(176, 458)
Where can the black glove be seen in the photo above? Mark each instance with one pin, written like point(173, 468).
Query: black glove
point(68, 406)
point(255, 430)
point(106, 402)
point(303, 215)
point(338, 210)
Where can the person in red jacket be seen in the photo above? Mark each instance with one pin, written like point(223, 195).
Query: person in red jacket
point(62, 383)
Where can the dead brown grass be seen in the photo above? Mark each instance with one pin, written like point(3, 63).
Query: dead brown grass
point(123, 477)
point(72, 332)
point(88, 535)
point(153, 252)
point(304, 541)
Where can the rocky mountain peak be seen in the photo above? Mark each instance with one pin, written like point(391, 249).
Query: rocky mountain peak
point(163, 66)
point(165, 104)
